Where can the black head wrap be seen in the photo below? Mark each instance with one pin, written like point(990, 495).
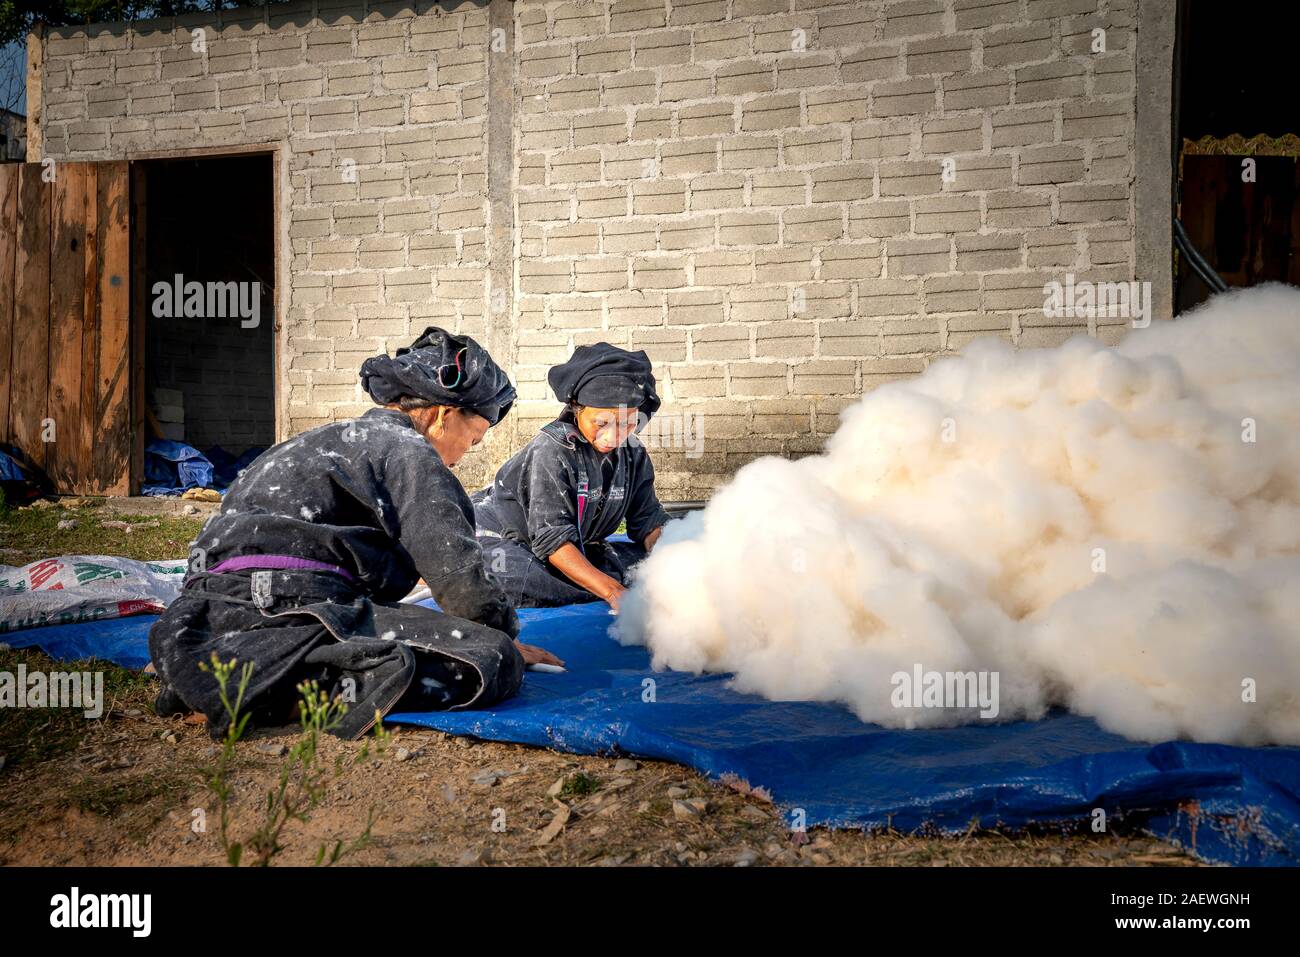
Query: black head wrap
point(442, 369)
point(606, 377)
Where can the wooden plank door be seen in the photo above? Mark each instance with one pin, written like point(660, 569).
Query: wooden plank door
point(65, 323)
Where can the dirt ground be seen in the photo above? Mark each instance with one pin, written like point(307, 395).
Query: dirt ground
point(127, 790)
point(131, 788)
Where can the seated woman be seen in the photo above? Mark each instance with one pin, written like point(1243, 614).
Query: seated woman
point(302, 570)
point(544, 520)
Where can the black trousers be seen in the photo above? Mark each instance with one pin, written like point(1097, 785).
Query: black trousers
point(376, 656)
point(530, 582)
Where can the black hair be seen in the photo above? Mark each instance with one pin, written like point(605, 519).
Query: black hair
point(409, 403)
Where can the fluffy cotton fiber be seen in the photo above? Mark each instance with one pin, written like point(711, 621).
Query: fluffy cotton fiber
point(1112, 530)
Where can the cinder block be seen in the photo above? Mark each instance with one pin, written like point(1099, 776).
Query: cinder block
point(956, 293)
point(770, 112)
point(855, 337)
point(786, 188)
point(1019, 209)
point(748, 229)
point(804, 70)
point(758, 378)
point(947, 54)
point(726, 341)
point(947, 214)
point(658, 197)
point(826, 377)
point(813, 223)
point(911, 178)
point(1051, 164)
point(1021, 127)
point(977, 253)
point(871, 63)
point(956, 134)
point(1059, 80)
point(629, 236)
point(913, 19)
point(817, 145)
point(1093, 203)
point(1007, 46)
point(879, 218)
point(888, 297)
point(791, 339)
point(976, 90)
point(915, 257)
point(1088, 119)
point(721, 191)
point(905, 97)
point(650, 47)
point(693, 307)
point(851, 261)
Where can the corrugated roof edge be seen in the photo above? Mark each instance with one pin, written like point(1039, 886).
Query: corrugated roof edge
point(262, 14)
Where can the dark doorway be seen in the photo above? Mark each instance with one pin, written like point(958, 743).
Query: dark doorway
point(1238, 134)
point(209, 283)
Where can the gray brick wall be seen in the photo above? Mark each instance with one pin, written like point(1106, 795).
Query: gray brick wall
point(754, 192)
point(785, 202)
point(225, 376)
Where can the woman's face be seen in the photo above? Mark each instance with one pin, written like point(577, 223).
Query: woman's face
point(606, 429)
point(453, 432)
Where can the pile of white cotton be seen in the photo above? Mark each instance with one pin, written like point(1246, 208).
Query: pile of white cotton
point(1112, 530)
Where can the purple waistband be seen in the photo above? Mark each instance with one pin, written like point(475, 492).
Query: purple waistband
point(242, 562)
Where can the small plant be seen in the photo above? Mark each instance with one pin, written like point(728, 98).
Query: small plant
point(579, 784)
point(302, 781)
point(217, 779)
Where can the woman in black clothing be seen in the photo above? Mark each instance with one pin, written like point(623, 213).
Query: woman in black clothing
point(544, 520)
point(302, 570)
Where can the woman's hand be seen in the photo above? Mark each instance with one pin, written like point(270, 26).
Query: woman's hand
point(569, 560)
point(614, 597)
point(653, 537)
point(537, 656)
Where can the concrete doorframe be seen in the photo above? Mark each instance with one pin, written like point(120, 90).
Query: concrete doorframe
point(280, 229)
point(1153, 173)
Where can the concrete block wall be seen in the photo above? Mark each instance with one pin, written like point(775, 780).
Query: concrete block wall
point(785, 202)
point(225, 375)
point(379, 110)
point(753, 191)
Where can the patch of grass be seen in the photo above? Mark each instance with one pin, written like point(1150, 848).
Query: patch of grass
point(138, 802)
point(579, 784)
point(38, 734)
point(31, 533)
point(95, 795)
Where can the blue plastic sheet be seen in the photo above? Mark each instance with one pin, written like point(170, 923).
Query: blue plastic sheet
point(9, 470)
point(171, 467)
point(1227, 804)
point(123, 641)
point(19, 481)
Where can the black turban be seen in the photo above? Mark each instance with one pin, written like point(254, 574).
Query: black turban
point(606, 377)
point(444, 370)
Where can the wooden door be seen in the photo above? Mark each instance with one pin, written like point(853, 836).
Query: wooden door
point(65, 322)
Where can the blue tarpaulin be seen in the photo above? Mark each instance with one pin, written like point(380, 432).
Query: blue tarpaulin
point(1228, 804)
point(9, 469)
point(171, 467)
point(19, 481)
